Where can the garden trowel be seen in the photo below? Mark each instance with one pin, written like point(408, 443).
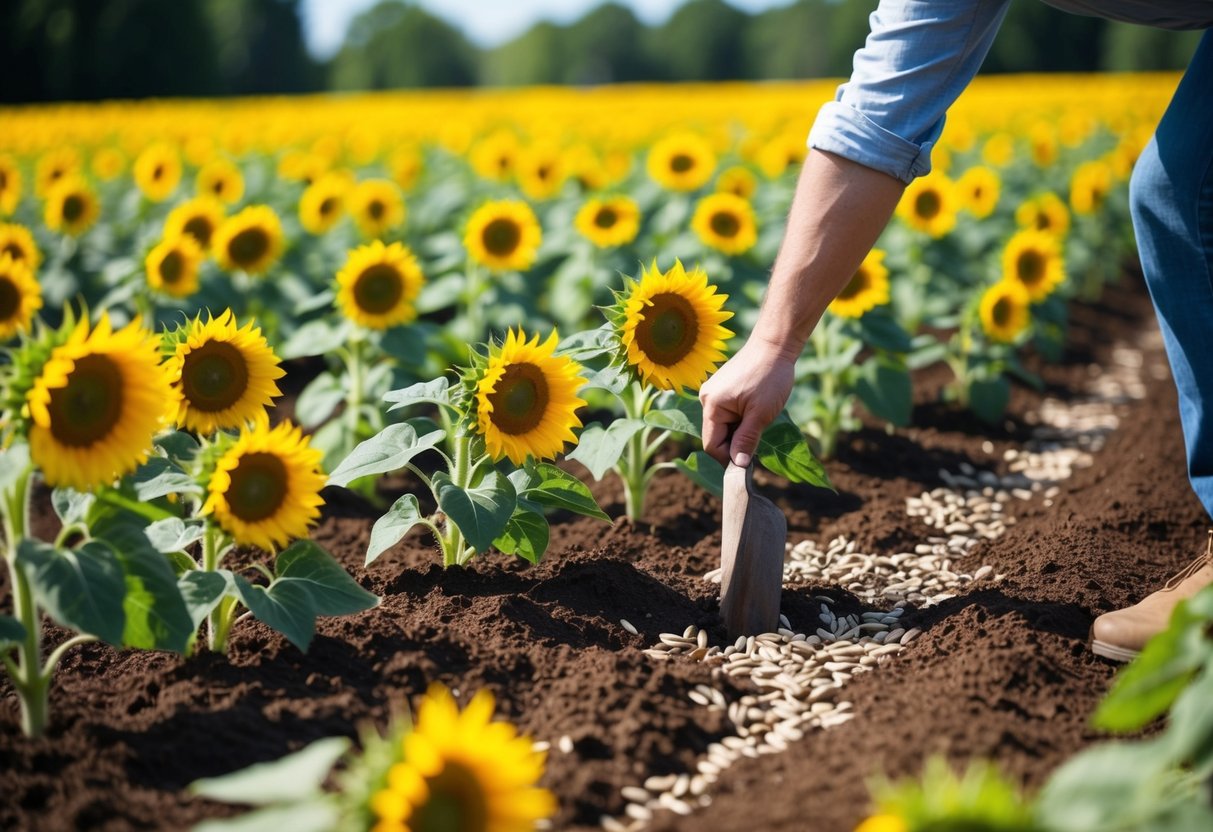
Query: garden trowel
point(752, 541)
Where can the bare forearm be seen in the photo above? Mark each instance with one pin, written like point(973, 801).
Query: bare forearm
point(839, 210)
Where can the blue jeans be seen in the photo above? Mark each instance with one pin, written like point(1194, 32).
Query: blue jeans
point(1171, 194)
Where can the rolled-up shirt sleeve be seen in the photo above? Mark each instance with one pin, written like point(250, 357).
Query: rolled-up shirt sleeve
point(919, 57)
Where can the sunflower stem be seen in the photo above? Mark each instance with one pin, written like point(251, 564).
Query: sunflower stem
point(28, 680)
point(451, 541)
point(472, 304)
point(219, 621)
point(353, 402)
point(636, 455)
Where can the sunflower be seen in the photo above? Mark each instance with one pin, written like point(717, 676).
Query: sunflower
point(172, 265)
point(682, 161)
point(1042, 138)
point(526, 399)
point(540, 171)
point(460, 771)
point(376, 206)
point(738, 181)
point(670, 327)
point(609, 221)
point(300, 166)
point(503, 235)
point(883, 823)
point(10, 185)
point(406, 165)
point(929, 205)
point(585, 167)
point(20, 296)
point(726, 223)
point(1044, 212)
point(323, 203)
point(107, 164)
point(978, 189)
point(199, 217)
point(157, 171)
point(1004, 311)
point(18, 243)
point(53, 167)
point(250, 241)
point(222, 180)
point(71, 206)
point(379, 284)
point(867, 288)
point(265, 489)
point(998, 151)
point(96, 405)
point(494, 157)
point(224, 373)
point(1089, 186)
point(1034, 260)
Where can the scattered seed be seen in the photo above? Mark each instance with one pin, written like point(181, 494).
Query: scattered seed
point(629, 626)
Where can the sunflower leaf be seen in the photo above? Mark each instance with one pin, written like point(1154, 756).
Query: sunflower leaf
point(677, 414)
point(389, 529)
point(526, 534)
point(988, 398)
point(885, 389)
point(319, 399)
point(81, 589)
point(12, 632)
point(308, 583)
point(202, 591)
point(159, 477)
point(72, 506)
point(16, 461)
point(599, 448)
point(172, 534)
point(388, 450)
point(555, 488)
point(292, 778)
point(436, 391)
point(480, 512)
point(704, 471)
point(782, 450)
point(317, 337)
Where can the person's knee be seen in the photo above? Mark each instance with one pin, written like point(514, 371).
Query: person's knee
point(1149, 191)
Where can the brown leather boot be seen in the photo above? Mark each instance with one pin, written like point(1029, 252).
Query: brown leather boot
point(1119, 635)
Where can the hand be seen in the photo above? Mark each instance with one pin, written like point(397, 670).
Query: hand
point(743, 397)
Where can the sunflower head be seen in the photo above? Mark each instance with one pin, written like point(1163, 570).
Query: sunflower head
point(378, 285)
point(682, 162)
point(323, 203)
point(406, 165)
point(1005, 311)
point(376, 206)
point(20, 297)
point(301, 166)
point(503, 235)
point(224, 373)
point(495, 156)
point(172, 266)
point(726, 223)
point(1034, 260)
point(998, 150)
point(199, 217)
point(610, 221)
point(521, 398)
point(71, 206)
point(10, 185)
point(250, 241)
point(1044, 212)
point(541, 171)
point(867, 288)
point(96, 404)
point(978, 189)
point(157, 171)
point(458, 770)
point(108, 163)
point(18, 243)
point(929, 205)
point(265, 487)
point(738, 181)
point(222, 180)
point(883, 822)
point(53, 167)
point(670, 327)
point(1089, 186)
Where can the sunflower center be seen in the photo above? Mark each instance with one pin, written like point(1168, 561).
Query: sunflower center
point(73, 208)
point(259, 485)
point(668, 330)
point(606, 218)
point(543, 172)
point(725, 224)
point(328, 206)
point(248, 246)
point(520, 399)
point(1002, 312)
point(1030, 267)
point(158, 173)
point(681, 163)
point(219, 187)
point(376, 209)
point(1043, 223)
point(379, 288)
point(200, 229)
point(501, 237)
point(3, 179)
point(171, 268)
point(89, 406)
point(14, 251)
point(927, 205)
point(456, 803)
point(10, 299)
point(214, 376)
point(855, 286)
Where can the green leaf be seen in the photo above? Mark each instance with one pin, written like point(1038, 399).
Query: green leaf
point(173, 534)
point(555, 488)
point(316, 337)
point(14, 460)
point(482, 512)
point(317, 815)
point(319, 399)
point(80, 589)
point(202, 591)
point(392, 526)
point(783, 450)
point(388, 450)
point(436, 391)
point(599, 448)
point(885, 389)
point(12, 632)
point(526, 534)
point(1189, 731)
point(295, 777)
point(178, 445)
point(587, 344)
point(156, 614)
point(988, 398)
point(704, 471)
point(883, 331)
point(159, 477)
point(307, 583)
point(685, 418)
point(72, 506)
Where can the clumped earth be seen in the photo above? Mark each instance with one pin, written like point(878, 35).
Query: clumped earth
point(1001, 671)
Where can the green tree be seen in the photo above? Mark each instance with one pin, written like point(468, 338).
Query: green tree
point(260, 47)
point(397, 45)
point(702, 41)
point(1130, 48)
point(534, 57)
point(606, 46)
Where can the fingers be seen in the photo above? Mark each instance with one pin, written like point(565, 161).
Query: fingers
point(717, 426)
point(745, 438)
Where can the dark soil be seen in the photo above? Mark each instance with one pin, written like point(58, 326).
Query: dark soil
point(1001, 671)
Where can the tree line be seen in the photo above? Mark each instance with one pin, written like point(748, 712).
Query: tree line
point(53, 50)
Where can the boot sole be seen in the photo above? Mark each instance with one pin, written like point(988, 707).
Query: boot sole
point(1111, 651)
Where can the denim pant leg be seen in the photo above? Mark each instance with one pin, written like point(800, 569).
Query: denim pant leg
point(1171, 195)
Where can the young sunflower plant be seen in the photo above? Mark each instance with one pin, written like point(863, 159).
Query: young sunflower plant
point(513, 408)
point(664, 335)
point(447, 768)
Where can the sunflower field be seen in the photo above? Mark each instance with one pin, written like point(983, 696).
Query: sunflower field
point(217, 314)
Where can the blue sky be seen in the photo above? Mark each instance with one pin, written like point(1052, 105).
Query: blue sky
point(485, 22)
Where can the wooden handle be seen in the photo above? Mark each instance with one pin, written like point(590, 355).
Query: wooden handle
point(753, 538)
